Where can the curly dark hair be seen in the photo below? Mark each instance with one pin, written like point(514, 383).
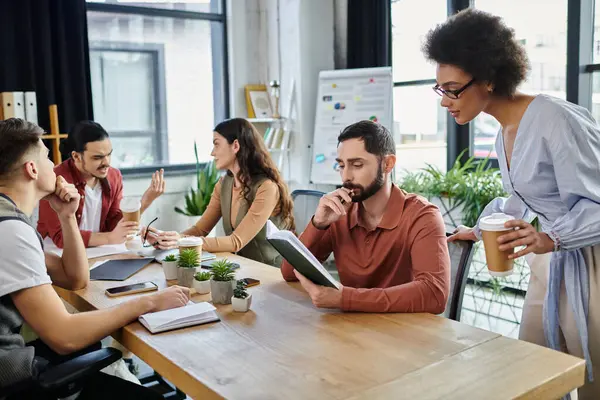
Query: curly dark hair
point(255, 161)
point(483, 46)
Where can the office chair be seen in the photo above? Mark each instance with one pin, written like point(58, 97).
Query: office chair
point(65, 380)
point(305, 205)
point(461, 254)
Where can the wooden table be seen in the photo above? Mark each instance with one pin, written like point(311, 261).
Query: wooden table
point(284, 348)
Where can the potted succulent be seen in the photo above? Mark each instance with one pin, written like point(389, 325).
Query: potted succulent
point(170, 267)
point(202, 282)
point(221, 287)
point(189, 259)
point(241, 299)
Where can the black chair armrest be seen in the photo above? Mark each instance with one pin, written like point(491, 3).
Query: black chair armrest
point(77, 368)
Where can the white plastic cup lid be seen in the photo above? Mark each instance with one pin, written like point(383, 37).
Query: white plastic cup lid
point(495, 222)
point(130, 205)
point(190, 241)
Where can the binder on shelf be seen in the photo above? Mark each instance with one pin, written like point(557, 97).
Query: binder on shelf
point(19, 101)
point(31, 114)
point(8, 105)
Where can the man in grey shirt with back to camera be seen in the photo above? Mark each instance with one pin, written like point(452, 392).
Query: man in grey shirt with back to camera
point(27, 275)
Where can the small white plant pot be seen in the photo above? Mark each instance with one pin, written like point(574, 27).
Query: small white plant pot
point(170, 268)
point(241, 305)
point(202, 287)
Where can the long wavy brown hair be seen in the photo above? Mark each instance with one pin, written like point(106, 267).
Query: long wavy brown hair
point(255, 162)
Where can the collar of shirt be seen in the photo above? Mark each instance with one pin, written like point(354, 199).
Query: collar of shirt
point(393, 211)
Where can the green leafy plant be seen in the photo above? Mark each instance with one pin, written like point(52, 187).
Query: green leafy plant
point(196, 201)
point(202, 276)
point(472, 185)
point(222, 271)
point(189, 258)
point(170, 258)
point(240, 290)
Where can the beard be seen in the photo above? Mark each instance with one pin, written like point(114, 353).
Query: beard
point(365, 193)
point(96, 173)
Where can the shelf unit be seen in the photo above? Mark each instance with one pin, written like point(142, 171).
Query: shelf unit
point(280, 154)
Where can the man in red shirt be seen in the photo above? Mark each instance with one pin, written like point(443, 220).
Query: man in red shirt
point(99, 216)
point(390, 246)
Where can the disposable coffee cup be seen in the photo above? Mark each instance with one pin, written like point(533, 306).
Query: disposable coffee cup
point(492, 227)
point(131, 211)
point(191, 242)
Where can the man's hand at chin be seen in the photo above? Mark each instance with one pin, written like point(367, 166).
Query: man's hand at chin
point(65, 199)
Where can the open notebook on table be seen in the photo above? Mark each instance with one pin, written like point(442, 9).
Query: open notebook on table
point(92, 252)
point(292, 249)
point(181, 317)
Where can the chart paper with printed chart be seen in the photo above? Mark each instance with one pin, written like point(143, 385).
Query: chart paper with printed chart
point(346, 97)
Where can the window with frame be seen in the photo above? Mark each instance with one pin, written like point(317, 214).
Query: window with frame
point(420, 123)
point(158, 72)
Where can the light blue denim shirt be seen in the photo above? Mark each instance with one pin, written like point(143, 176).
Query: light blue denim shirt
point(555, 174)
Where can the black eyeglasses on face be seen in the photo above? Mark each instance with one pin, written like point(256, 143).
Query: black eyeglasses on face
point(146, 235)
point(453, 94)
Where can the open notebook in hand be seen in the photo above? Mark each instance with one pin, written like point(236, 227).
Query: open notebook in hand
point(292, 249)
point(181, 317)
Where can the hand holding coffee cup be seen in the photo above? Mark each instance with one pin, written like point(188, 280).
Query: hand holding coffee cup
point(123, 231)
point(525, 234)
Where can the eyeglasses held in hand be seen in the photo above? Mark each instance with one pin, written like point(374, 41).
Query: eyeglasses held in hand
point(144, 243)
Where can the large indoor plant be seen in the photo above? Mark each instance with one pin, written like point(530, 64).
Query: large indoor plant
point(461, 193)
point(196, 201)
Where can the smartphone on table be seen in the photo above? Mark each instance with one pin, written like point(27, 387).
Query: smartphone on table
point(131, 289)
point(209, 264)
point(250, 282)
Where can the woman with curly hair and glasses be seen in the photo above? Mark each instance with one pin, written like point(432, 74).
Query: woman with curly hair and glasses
point(251, 193)
point(549, 155)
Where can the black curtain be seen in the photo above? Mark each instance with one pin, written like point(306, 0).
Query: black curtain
point(44, 48)
point(369, 33)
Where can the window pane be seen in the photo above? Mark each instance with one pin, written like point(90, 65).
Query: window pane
point(596, 96)
point(596, 40)
point(153, 77)
point(411, 20)
point(420, 123)
point(545, 41)
point(129, 152)
point(208, 6)
point(123, 90)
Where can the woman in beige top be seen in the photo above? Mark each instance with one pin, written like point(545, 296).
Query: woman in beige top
point(251, 193)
